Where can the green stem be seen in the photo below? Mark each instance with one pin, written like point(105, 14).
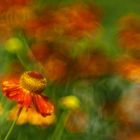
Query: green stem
point(59, 127)
point(26, 56)
point(13, 124)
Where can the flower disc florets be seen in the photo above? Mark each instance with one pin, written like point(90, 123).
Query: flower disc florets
point(33, 81)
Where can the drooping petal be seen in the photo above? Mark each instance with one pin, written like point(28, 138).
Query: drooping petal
point(43, 106)
point(27, 100)
point(13, 91)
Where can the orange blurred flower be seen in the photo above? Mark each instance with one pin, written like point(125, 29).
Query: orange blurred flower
point(95, 65)
point(19, 2)
point(38, 26)
point(73, 20)
point(130, 32)
point(77, 19)
point(55, 69)
point(126, 133)
point(135, 136)
point(31, 117)
point(17, 16)
point(41, 51)
point(5, 32)
point(32, 26)
point(28, 91)
point(3, 6)
point(129, 68)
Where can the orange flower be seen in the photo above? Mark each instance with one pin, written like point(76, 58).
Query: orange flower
point(27, 91)
point(135, 136)
point(78, 19)
point(41, 51)
point(129, 35)
point(55, 69)
point(19, 2)
point(129, 68)
point(3, 6)
point(94, 65)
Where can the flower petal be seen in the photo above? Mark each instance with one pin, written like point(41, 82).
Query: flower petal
point(13, 91)
point(43, 106)
point(27, 100)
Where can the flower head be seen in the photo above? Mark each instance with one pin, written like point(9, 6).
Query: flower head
point(28, 91)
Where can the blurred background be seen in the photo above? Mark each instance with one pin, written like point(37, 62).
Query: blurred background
point(89, 51)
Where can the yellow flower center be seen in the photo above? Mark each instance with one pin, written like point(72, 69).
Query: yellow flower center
point(33, 81)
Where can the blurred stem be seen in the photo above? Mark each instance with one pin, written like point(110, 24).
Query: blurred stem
point(59, 127)
point(13, 124)
point(26, 56)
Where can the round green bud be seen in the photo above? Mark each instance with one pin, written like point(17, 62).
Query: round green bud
point(13, 45)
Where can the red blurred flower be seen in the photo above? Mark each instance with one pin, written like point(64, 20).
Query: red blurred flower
point(28, 91)
point(72, 21)
point(78, 19)
point(32, 25)
point(19, 2)
point(3, 6)
point(40, 27)
point(41, 51)
point(130, 32)
point(94, 65)
point(56, 69)
point(7, 4)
